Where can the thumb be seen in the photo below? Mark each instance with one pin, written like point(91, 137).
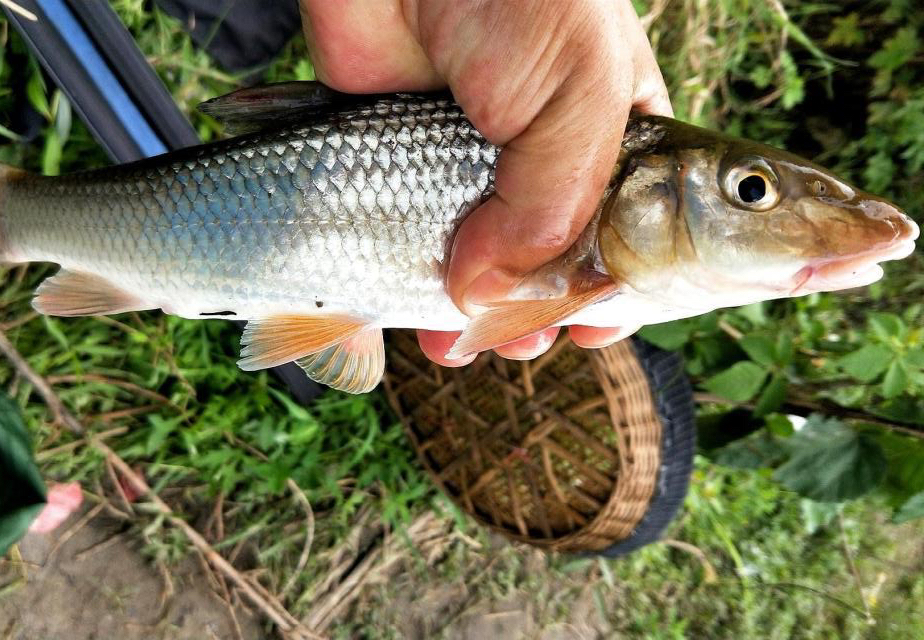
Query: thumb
point(548, 183)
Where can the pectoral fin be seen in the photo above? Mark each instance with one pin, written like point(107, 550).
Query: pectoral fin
point(355, 365)
point(511, 320)
point(275, 340)
point(71, 293)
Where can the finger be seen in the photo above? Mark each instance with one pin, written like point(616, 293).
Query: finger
point(436, 344)
point(529, 347)
point(597, 337)
point(650, 93)
point(365, 46)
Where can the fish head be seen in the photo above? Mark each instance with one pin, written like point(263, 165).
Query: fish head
point(741, 222)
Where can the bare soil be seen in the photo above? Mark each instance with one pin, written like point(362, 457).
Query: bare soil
point(97, 584)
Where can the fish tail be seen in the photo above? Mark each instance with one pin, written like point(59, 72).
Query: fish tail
point(8, 175)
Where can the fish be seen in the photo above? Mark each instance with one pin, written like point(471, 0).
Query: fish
point(330, 217)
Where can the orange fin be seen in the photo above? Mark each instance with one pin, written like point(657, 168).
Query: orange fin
point(356, 365)
point(71, 293)
point(514, 319)
point(275, 340)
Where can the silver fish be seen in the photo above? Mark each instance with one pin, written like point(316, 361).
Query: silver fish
point(335, 219)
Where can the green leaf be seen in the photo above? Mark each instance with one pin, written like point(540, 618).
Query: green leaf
point(830, 462)
point(51, 154)
point(896, 379)
point(772, 397)
point(846, 31)
point(887, 326)
point(779, 425)
point(867, 363)
point(897, 50)
point(761, 76)
point(755, 313)
point(912, 509)
point(793, 83)
point(35, 93)
point(760, 349)
point(785, 352)
point(668, 335)
point(738, 383)
point(915, 358)
point(816, 515)
point(22, 492)
point(905, 460)
point(757, 451)
point(160, 429)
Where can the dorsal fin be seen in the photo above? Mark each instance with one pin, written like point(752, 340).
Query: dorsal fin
point(269, 105)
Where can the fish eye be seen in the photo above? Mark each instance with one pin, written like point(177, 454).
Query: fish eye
point(752, 188)
point(752, 184)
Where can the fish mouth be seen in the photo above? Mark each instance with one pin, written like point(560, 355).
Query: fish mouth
point(856, 270)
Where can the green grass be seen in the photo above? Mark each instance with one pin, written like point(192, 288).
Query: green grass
point(214, 434)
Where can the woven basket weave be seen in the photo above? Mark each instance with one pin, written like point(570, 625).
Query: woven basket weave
point(563, 452)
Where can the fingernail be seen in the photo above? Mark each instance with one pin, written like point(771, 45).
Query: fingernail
point(490, 286)
point(461, 361)
point(529, 348)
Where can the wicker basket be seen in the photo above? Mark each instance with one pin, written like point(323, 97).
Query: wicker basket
point(577, 450)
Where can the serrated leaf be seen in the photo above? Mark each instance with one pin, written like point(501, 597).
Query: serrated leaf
point(756, 451)
point(830, 462)
point(867, 363)
point(912, 509)
point(895, 380)
point(905, 460)
point(22, 492)
point(738, 383)
point(760, 349)
point(772, 397)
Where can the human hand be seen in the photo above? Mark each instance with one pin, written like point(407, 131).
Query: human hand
point(552, 82)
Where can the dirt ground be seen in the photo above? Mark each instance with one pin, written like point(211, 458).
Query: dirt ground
point(93, 582)
point(90, 580)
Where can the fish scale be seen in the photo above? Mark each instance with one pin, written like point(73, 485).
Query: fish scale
point(359, 207)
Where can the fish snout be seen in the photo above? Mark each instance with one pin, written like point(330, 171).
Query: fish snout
point(896, 231)
point(876, 231)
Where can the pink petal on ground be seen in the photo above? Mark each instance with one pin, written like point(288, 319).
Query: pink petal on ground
point(63, 500)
